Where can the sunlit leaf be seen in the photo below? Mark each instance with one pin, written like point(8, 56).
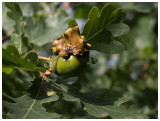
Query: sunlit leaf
point(101, 28)
point(7, 69)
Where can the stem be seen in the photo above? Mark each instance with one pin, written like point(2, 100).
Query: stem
point(43, 58)
point(8, 36)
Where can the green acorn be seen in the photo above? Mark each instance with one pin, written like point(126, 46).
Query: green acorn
point(71, 65)
point(70, 53)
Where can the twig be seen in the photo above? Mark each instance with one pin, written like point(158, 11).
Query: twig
point(8, 36)
point(43, 58)
point(146, 68)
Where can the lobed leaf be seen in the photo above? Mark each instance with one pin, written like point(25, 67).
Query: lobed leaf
point(7, 22)
point(30, 106)
point(95, 103)
point(100, 29)
point(16, 15)
point(113, 111)
point(17, 36)
point(12, 58)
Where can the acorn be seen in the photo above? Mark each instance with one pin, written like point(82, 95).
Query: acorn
point(72, 65)
point(70, 53)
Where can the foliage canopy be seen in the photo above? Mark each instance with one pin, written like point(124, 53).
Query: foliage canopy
point(122, 85)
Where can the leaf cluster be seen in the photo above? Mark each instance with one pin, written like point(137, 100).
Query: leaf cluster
point(99, 92)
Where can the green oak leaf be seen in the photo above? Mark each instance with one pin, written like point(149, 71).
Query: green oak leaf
point(93, 13)
point(17, 36)
point(21, 43)
point(12, 58)
point(15, 14)
point(101, 28)
point(6, 69)
point(113, 111)
point(29, 106)
point(95, 103)
point(7, 22)
point(118, 29)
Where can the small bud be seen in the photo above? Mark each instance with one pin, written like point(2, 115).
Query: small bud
point(88, 45)
point(54, 49)
point(47, 73)
point(83, 37)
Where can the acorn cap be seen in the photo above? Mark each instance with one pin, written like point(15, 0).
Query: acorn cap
point(53, 62)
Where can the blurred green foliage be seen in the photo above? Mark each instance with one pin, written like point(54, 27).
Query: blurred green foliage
point(132, 73)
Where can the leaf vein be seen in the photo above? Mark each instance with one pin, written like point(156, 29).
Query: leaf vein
point(30, 108)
